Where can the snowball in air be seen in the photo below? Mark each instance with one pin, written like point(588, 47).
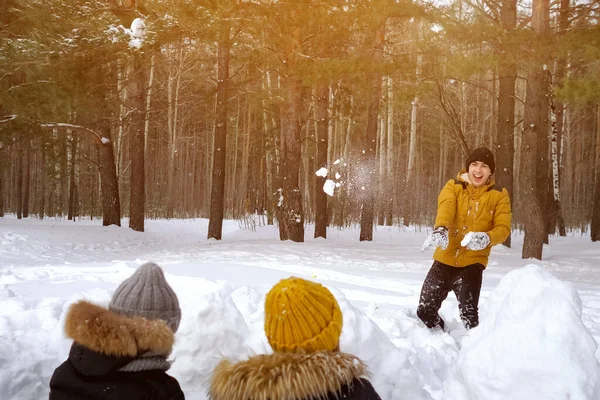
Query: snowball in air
point(322, 172)
point(329, 186)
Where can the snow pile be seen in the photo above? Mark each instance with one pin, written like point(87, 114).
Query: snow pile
point(32, 342)
point(531, 344)
point(229, 323)
point(218, 321)
point(363, 338)
point(212, 329)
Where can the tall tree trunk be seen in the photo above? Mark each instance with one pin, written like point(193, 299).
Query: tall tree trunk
point(507, 73)
point(136, 97)
point(122, 94)
point(442, 154)
point(390, 186)
point(217, 200)
point(412, 152)
point(554, 138)
point(111, 205)
point(64, 179)
point(269, 127)
point(559, 111)
point(148, 103)
point(19, 185)
point(536, 111)
point(147, 112)
point(369, 165)
point(244, 192)
point(381, 142)
point(595, 228)
point(72, 184)
point(42, 209)
point(173, 87)
point(26, 177)
point(1, 197)
point(291, 213)
point(541, 24)
point(231, 161)
point(322, 117)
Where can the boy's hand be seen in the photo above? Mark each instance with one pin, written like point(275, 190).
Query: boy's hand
point(476, 241)
point(438, 238)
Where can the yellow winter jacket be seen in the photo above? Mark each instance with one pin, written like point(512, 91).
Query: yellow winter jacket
point(463, 208)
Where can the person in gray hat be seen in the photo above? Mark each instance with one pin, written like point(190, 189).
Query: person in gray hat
point(121, 352)
point(147, 294)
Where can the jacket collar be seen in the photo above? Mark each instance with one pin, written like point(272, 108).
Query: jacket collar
point(285, 376)
point(111, 334)
point(463, 176)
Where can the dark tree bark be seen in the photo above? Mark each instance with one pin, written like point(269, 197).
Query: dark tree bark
point(1, 197)
point(370, 163)
point(26, 177)
point(136, 96)
point(540, 20)
point(42, 209)
point(321, 113)
point(563, 25)
point(19, 182)
point(556, 215)
point(3, 164)
point(291, 213)
point(72, 184)
point(64, 180)
point(595, 228)
point(543, 169)
point(111, 205)
point(217, 196)
point(536, 111)
point(507, 73)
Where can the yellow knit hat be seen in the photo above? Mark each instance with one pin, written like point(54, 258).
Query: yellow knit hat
point(302, 315)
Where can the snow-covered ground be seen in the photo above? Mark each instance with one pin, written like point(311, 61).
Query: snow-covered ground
point(540, 322)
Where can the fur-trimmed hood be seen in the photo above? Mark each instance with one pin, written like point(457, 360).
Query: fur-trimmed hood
point(285, 376)
point(111, 334)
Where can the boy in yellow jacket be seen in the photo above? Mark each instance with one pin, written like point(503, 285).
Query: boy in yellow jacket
point(473, 215)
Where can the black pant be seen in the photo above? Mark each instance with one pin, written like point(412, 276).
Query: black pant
point(466, 284)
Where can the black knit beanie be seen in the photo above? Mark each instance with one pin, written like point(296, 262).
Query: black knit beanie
point(482, 154)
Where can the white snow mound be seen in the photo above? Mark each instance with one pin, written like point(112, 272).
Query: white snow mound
point(531, 344)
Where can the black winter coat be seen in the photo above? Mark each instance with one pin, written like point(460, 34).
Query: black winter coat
point(105, 342)
point(285, 376)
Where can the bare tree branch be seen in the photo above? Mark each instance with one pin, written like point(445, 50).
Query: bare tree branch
point(99, 138)
point(92, 161)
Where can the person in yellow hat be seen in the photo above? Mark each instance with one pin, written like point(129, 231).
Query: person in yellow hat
point(303, 324)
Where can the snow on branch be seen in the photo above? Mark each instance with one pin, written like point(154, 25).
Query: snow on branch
point(99, 138)
point(8, 118)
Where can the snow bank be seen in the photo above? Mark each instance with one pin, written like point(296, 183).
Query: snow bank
point(229, 324)
point(32, 343)
point(218, 320)
point(531, 344)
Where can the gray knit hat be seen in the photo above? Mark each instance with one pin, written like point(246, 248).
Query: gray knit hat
point(147, 294)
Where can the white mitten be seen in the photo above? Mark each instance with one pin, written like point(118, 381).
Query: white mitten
point(438, 238)
point(476, 241)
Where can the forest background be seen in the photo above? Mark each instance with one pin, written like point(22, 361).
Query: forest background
point(227, 109)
